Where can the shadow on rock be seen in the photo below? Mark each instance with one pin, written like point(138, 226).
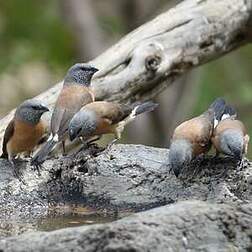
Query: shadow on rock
point(127, 178)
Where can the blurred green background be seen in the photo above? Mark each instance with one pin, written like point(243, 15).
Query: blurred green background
point(40, 39)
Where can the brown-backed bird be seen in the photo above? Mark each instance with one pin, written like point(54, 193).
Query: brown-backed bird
point(101, 117)
point(76, 93)
point(25, 130)
point(230, 136)
point(192, 138)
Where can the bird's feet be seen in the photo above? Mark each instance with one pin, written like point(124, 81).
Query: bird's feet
point(17, 173)
point(36, 166)
point(87, 144)
point(93, 140)
point(108, 148)
point(170, 170)
point(109, 145)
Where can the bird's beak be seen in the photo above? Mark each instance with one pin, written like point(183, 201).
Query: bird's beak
point(95, 69)
point(44, 108)
point(238, 155)
point(176, 171)
point(72, 134)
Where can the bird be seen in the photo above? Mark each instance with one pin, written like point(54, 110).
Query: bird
point(24, 131)
point(230, 136)
point(76, 92)
point(193, 137)
point(103, 117)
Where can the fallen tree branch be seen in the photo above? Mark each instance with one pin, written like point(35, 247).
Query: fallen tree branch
point(150, 58)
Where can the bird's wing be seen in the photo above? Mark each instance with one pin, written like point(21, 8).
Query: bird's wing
point(60, 121)
point(204, 132)
point(116, 112)
point(230, 123)
point(7, 136)
point(197, 130)
point(109, 111)
point(68, 104)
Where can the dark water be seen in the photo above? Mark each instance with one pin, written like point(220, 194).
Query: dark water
point(73, 216)
point(57, 218)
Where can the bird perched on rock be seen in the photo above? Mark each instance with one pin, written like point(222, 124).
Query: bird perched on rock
point(192, 138)
point(76, 93)
point(24, 131)
point(230, 136)
point(101, 117)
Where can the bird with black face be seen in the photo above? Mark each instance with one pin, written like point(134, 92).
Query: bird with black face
point(24, 131)
point(102, 117)
point(230, 136)
point(76, 93)
point(192, 138)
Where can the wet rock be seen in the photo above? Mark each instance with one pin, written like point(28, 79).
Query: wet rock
point(126, 178)
point(133, 177)
point(185, 226)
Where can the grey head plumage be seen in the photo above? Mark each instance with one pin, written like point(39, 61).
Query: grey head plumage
point(82, 124)
point(80, 74)
point(180, 155)
point(30, 111)
point(232, 143)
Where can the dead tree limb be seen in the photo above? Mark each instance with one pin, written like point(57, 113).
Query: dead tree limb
point(149, 59)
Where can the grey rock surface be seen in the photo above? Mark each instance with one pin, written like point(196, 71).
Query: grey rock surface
point(127, 178)
point(184, 226)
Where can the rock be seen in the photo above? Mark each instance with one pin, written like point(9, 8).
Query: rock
point(185, 226)
point(127, 178)
point(133, 177)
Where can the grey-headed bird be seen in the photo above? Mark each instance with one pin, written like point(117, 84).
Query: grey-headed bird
point(230, 136)
point(25, 130)
point(101, 117)
point(76, 93)
point(193, 137)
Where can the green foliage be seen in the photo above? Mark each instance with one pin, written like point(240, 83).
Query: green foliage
point(33, 30)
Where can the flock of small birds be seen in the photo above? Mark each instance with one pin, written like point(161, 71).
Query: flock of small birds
point(77, 115)
point(218, 126)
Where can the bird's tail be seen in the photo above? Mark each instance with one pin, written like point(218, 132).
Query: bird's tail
point(143, 108)
point(137, 109)
point(229, 112)
point(218, 107)
point(45, 150)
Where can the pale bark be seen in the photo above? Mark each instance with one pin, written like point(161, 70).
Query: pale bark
point(149, 59)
